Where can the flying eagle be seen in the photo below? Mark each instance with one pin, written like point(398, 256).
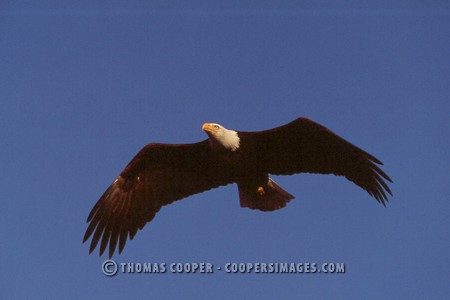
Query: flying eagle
point(163, 173)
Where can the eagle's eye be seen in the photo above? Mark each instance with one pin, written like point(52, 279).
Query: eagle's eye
point(216, 126)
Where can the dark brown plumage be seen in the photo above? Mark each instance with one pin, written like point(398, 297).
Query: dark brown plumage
point(161, 174)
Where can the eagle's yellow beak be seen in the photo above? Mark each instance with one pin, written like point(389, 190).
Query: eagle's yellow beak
point(207, 127)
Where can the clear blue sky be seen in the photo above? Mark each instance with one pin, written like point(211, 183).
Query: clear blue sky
point(83, 86)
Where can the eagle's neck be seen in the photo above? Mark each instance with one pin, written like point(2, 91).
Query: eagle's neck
point(225, 139)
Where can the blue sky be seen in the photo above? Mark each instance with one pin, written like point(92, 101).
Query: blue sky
point(85, 85)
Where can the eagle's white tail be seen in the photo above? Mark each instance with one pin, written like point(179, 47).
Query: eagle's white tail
point(269, 197)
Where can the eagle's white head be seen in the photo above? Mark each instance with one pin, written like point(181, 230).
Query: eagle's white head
point(220, 137)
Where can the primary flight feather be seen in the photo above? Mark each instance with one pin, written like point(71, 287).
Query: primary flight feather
point(163, 173)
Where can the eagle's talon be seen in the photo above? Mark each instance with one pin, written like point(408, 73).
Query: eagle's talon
point(260, 191)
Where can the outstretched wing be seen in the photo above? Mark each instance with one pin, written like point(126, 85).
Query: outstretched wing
point(304, 146)
point(158, 175)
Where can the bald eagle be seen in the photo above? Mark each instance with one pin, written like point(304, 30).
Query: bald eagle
point(163, 173)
